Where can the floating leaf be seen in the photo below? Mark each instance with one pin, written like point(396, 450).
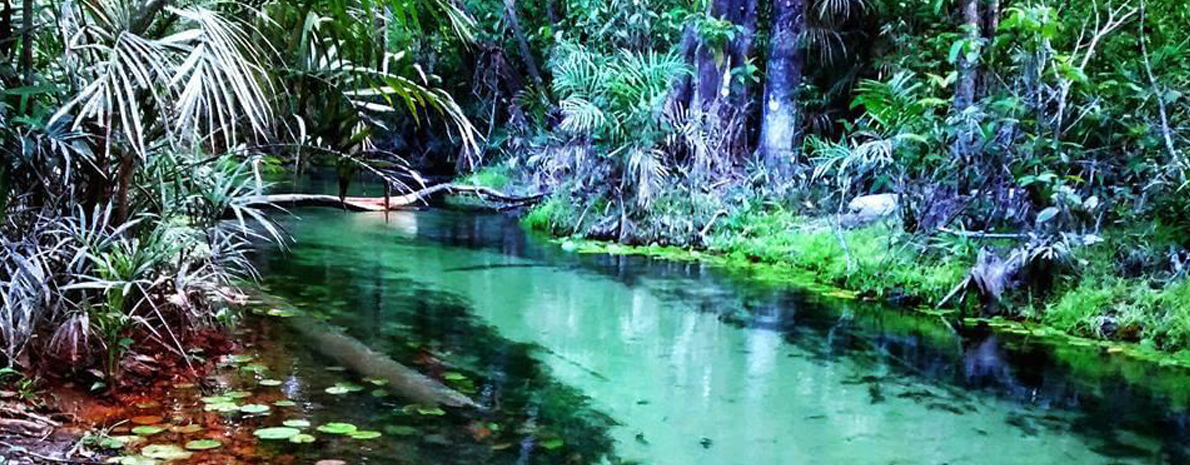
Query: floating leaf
point(277, 433)
point(337, 390)
point(377, 381)
point(203, 444)
point(302, 439)
point(254, 368)
point(337, 428)
point(239, 394)
point(453, 376)
point(223, 407)
point(240, 358)
point(296, 423)
point(147, 430)
point(285, 403)
point(379, 393)
point(145, 420)
point(165, 452)
point(216, 400)
point(254, 408)
point(364, 434)
point(430, 410)
point(269, 382)
point(551, 443)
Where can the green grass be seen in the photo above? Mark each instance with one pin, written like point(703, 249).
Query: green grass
point(876, 260)
point(1133, 310)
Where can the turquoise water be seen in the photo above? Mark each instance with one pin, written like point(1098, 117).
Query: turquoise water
point(599, 359)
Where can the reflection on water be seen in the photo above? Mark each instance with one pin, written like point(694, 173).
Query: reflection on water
point(680, 364)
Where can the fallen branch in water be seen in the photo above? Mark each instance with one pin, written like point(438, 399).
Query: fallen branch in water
point(378, 204)
point(356, 356)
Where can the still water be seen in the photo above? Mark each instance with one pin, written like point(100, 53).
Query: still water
point(602, 359)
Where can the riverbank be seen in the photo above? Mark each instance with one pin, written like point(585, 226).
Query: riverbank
point(1121, 305)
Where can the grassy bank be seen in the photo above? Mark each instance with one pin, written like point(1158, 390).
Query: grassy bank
point(1113, 295)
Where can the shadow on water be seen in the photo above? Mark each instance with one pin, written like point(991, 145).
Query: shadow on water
point(1123, 410)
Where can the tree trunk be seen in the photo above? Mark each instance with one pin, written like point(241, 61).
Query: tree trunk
point(781, 126)
point(27, 41)
point(522, 42)
point(964, 96)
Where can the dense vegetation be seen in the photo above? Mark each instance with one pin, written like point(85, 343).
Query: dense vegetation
point(134, 134)
point(1034, 150)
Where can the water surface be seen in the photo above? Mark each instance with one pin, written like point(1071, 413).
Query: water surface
point(599, 359)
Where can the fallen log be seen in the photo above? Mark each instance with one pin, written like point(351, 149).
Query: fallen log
point(378, 204)
point(356, 356)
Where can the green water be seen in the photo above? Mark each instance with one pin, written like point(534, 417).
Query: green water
point(630, 360)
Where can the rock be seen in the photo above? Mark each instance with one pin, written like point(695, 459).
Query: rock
point(869, 208)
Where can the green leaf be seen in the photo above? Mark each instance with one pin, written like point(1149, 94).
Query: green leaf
point(337, 428)
point(302, 439)
point(239, 394)
point(147, 430)
point(285, 403)
point(278, 433)
point(269, 382)
point(165, 452)
point(364, 434)
point(296, 423)
point(203, 444)
point(254, 408)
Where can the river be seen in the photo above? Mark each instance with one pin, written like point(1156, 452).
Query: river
point(606, 359)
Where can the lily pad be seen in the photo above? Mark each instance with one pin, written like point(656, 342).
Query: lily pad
point(284, 403)
point(302, 439)
point(223, 407)
point(269, 382)
point(128, 439)
point(296, 423)
point(364, 434)
point(145, 420)
point(254, 408)
point(379, 393)
point(277, 433)
point(239, 394)
point(147, 430)
point(165, 452)
point(453, 376)
point(203, 444)
point(337, 428)
point(431, 411)
point(240, 358)
point(254, 368)
point(216, 399)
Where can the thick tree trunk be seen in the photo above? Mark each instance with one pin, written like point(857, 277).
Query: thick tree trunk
point(522, 42)
point(781, 126)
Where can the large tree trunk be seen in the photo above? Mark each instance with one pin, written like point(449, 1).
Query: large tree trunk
point(714, 99)
point(781, 126)
point(523, 43)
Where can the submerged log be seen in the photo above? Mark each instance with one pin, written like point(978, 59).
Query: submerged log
point(378, 204)
point(356, 356)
